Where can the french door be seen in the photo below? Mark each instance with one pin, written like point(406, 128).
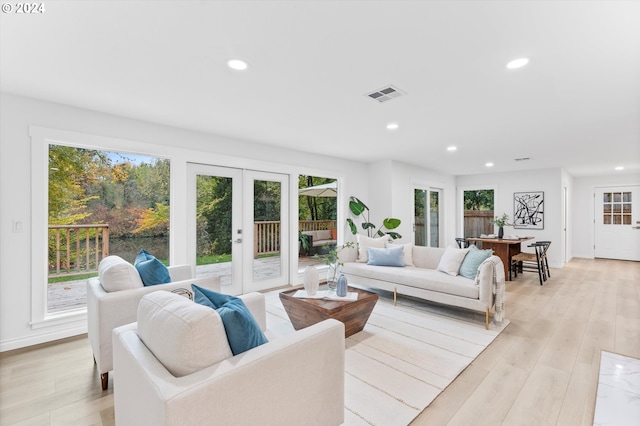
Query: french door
point(617, 223)
point(238, 227)
point(426, 224)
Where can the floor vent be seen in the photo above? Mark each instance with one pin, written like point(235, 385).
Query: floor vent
point(385, 94)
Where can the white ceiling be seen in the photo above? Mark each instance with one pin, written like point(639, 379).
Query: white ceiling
point(576, 105)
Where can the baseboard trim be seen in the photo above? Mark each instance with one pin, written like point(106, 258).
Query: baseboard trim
point(22, 342)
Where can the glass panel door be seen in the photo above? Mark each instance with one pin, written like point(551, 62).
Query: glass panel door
point(267, 244)
point(215, 224)
point(427, 217)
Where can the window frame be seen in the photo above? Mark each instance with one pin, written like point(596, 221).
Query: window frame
point(41, 138)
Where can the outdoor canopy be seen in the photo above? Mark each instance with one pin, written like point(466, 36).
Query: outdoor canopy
point(324, 190)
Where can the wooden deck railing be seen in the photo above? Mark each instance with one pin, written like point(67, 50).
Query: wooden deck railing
point(77, 249)
point(266, 235)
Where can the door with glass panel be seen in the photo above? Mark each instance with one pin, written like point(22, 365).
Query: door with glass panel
point(215, 224)
point(426, 225)
point(238, 223)
point(266, 224)
point(617, 223)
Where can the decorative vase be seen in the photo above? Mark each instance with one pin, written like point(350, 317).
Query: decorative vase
point(311, 280)
point(332, 275)
point(500, 232)
point(341, 289)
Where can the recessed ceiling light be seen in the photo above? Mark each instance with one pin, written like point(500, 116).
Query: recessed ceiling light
point(451, 148)
point(237, 64)
point(392, 126)
point(489, 164)
point(620, 168)
point(518, 63)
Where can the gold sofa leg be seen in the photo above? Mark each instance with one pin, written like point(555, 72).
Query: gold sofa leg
point(486, 321)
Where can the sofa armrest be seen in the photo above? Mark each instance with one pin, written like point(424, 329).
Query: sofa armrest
point(295, 379)
point(347, 254)
point(180, 272)
point(106, 311)
point(255, 302)
point(485, 279)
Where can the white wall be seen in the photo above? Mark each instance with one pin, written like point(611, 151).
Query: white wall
point(547, 180)
point(583, 208)
point(181, 146)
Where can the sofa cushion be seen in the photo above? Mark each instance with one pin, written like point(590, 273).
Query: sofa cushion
point(391, 256)
point(365, 242)
point(324, 234)
point(184, 336)
point(472, 261)
point(407, 252)
point(242, 329)
point(451, 260)
point(151, 270)
point(117, 274)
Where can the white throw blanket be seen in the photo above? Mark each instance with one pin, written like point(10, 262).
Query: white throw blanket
point(497, 289)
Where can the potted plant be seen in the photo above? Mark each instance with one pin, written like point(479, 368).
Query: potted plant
point(303, 243)
point(500, 222)
point(358, 208)
point(332, 260)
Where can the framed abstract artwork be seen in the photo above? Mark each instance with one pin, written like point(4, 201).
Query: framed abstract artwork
point(528, 210)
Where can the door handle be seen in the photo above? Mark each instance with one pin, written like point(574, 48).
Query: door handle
point(239, 240)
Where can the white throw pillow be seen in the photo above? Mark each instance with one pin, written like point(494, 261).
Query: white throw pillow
point(407, 252)
point(451, 260)
point(117, 274)
point(365, 242)
point(184, 336)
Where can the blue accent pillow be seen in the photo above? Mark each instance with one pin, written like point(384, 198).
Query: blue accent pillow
point(243, 331)
point(151, 270)
point(472, 261)
point(391, 256)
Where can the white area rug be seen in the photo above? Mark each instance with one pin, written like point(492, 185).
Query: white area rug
point(405, 356)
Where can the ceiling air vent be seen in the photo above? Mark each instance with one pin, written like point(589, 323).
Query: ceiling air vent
point(523, 159)
point(386, 94)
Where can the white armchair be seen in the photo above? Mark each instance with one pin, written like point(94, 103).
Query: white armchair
point(107, 310)
point(297, 379)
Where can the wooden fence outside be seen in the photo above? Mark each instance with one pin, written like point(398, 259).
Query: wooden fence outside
point(77, 249)
point(478, 222)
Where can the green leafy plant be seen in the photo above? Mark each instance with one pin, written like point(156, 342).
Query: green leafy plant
point(502, 221)
point(305, 244)
point(331, 259)
point(360, 209)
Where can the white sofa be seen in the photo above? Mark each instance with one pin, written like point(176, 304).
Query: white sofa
point(296, 379)
point(425, 282)
point(118, 304)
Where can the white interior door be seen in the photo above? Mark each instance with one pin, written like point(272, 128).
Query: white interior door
point(266, 221)
point(617, 223)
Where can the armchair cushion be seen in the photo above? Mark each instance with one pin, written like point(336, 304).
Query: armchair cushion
point(184, 336)
point(151, 270)
point(242, 330)
point(117, 274)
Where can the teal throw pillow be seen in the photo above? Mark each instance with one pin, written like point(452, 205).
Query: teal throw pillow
point(151, 270)
point(392, 256)
point(243, 331)
point(472, 261)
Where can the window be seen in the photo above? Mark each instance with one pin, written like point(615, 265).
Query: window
point(616, 208)
point(478, 212)
point(90, 198)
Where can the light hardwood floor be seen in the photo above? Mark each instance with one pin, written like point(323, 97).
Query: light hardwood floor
point(541, 370)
